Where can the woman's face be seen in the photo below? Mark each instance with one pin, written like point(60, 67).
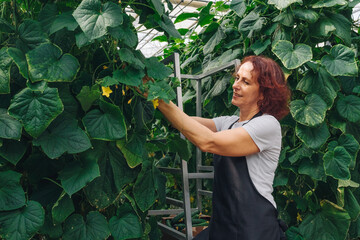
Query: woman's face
point(246, 88)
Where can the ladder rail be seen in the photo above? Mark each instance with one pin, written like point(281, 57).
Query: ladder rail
point(185, 205)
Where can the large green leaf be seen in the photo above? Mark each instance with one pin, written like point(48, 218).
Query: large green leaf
point(321, 83)
point(53, 230)
point(238, 6)
point(47, 15)
point(351, 204)
point(94, 18)
point(36, 109)
point(331, 223)
point(159, 6)
point(5, 64)
point(286, 18)
point(168, 26)
point(313, 167)
point(22, 223)
point(282, 4)
point(64, 20)
point(349, 108)
point(313, 137)
point(310, 111)
point(129, 76)
point(63, 207)
point(6, 27)
point(342, 25)
point(219, 87)
point(78, 173)
point(307, 15)
point(124, 32)
point(88, 96)
point(82, 40)
point(351, 145)
point(20, 60)
point(161, 90)
point(134, 150)
point(125, 226)
point(10, 128)
point(251, 23)
point(31, 35)
point(13, 150)
point(94, 228)
point(128, 56)
point(63, 135)
point(114, 175)
point(186, 15)
point(214, 41)
point(322, 28)
point(341, 61)
point(205, 17)
point(108, 124)
point(156, 69)
point(143, 112)
point(144, 188)
point(337, 163)
point(260, 46)
point(47, 62)
point(292, 57)
point(12, 195)
point(300, 153)
point(223, 59)
point(328, 3)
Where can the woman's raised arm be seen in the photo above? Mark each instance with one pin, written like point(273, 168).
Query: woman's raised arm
point(234, 142)
point(209, 123)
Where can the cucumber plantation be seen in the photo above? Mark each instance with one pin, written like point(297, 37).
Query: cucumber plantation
point(80, 147)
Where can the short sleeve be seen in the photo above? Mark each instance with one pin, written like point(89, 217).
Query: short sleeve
point(265, 131)
point(224, 122)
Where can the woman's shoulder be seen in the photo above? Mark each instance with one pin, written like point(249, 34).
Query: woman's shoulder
point(266, 122)
point(224, 122)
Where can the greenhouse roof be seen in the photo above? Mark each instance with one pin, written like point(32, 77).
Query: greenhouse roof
point(155, 48)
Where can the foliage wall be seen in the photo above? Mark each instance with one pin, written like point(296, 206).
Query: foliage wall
point(316, 42)
point(77, 142)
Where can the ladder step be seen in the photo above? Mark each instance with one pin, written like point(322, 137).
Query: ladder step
point(174, 202)
point(206, 168)
point(171, 231)
point(205, 192)
point(170, 170)
point(201, 175)
point(160, 212)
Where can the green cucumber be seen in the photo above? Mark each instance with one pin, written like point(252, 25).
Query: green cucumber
point(195, 221)
point(177, 218)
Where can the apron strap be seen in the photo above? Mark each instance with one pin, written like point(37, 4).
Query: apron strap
point(256, 115)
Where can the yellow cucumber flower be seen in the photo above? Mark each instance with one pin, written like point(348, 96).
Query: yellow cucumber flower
point(106, 91)
point(155, 103)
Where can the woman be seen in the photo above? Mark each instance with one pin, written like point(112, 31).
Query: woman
point(246, 150)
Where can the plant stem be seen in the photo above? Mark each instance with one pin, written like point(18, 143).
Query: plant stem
point(106, 53)
point(14, 13)
point(56, 183)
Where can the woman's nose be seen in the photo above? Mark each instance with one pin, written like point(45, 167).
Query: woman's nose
point(236, 85)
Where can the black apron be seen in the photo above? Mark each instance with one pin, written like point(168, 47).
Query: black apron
point(240, 212)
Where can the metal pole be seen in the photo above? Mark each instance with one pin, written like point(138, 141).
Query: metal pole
point(184, 166)
point(198, 152)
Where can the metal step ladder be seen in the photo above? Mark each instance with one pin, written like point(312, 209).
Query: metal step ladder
point(202, 172)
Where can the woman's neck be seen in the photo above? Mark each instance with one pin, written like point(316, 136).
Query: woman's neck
point(247, 114)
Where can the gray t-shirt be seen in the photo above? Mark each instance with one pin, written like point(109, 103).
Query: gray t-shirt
point(265, 131)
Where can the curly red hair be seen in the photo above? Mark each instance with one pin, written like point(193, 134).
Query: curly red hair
point(273, 86)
